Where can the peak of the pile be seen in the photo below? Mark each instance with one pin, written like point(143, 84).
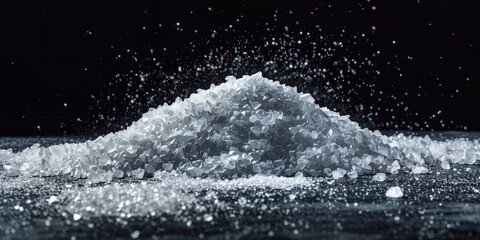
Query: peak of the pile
point(240, 128)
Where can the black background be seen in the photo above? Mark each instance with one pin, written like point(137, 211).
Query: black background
point(60, 58)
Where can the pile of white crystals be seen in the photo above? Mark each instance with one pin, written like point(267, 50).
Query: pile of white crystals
point(241, 128)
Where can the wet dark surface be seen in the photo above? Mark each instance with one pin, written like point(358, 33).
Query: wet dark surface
point(443, 204)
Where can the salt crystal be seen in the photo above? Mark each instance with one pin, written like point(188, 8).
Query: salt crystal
point(352, 174)
point(167, 166)
point(118, 173)
point(379, 177)
point(207, 217)
point(52, 199)
point(138, 173)
point(76, 217)
point(394, 167)
point(470, 156)
point(302, 162)
point(95, 176)
point(338, 173)
point(253, 118)
point(445, 164)
point(394, 192)
point(418, 169)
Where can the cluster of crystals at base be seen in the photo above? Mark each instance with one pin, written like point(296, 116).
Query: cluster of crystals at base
point(240, 128)
point(181, 181)
point(421, 151)
point(125, 200)
point(173, 194)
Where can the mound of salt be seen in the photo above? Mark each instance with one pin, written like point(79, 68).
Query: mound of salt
point(240, 128)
